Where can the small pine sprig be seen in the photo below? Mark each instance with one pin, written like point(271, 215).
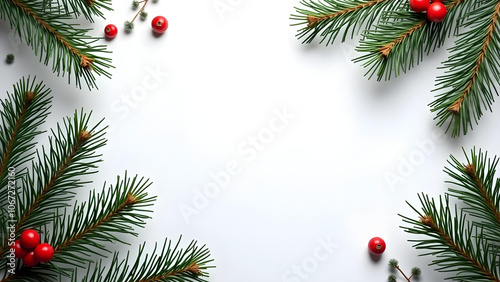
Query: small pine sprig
point(394, 264)
point(129, 25)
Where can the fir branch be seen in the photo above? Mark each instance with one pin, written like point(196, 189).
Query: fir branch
point(49, 186)
point(169, 264)
point(450, 240)
point(472, 71)
point(71, 50)
point(401, 38)
point(327, 18)
point(114, 211)
point(480, 191)
point(87, 8)
point(22, 113)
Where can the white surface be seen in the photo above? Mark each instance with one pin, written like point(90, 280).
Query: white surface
point(321, 177)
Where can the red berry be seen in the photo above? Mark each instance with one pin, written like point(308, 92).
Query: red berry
point(30, 239)
point(110, 31)
point(419, 5)
point(436, 12)
point(376, 245)
point(29, 259)
point(19, 251)
point(44, 252)
point(159, 24)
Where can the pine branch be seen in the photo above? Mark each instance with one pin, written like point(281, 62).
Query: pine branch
point(472, 71)
point(78, 237)
point(328, 17)
point(449, 238)
point(116, 210)
point(22, 113)
point(49, 186)
point(401, 39)
point(71, 51)
point(87, 8)
point(170, 264)
point(480, 191)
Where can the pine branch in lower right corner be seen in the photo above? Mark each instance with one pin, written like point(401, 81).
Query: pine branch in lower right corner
point(456, 245)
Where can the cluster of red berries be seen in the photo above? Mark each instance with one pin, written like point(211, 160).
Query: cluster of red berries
point(29, 249)
point(159, 24)
point(436, 11)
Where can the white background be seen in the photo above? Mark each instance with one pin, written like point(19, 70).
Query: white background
point(322, 177)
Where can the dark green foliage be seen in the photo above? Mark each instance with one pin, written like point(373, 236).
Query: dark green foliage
point(44, 25)
point(40, 195)
point(463, 241)
point(395, 39)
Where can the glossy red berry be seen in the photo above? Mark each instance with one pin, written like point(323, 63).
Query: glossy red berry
point(159, 24)
point(419, 6)
point(29, 239)
point(436, 12)
point(29, 259)
point(44, 252)
point(110, 31)
point(376, 245)
point(19, 251)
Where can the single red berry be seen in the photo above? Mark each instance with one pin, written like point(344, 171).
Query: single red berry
point(44, 252)
point(159, 24)
point(419, 6)
point(29, 259)
point(376, 245)
point(19, 251)
point(30, 239)
point(436, 12)
point(110, 31)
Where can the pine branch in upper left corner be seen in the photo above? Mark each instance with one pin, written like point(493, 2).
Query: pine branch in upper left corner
point(72, 52)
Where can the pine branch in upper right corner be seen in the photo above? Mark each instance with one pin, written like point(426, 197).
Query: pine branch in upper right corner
point(471, 72)
point(401, 38)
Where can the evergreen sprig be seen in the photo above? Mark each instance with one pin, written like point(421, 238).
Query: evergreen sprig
point(169, 263)
point(395, 39)
point(46, 29)
point(88, 8)
point(81, 235)
point(461, 240)
point(471, 71)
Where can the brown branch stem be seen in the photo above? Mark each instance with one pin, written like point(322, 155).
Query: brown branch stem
point(404, 275)
point(142, 9)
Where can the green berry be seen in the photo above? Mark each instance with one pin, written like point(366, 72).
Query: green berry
point(10, 58)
